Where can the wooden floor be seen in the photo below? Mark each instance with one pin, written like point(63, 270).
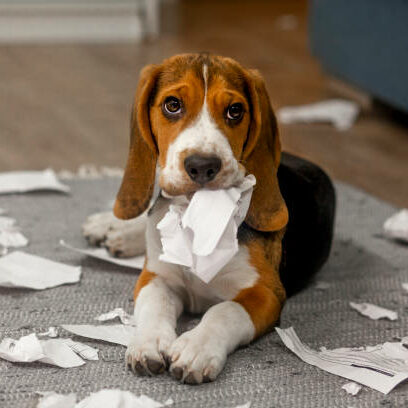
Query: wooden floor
point(62, 106)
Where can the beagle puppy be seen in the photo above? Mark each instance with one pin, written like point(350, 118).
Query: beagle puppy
point(199, 121)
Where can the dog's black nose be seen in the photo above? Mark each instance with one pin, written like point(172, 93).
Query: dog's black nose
point(202, 169)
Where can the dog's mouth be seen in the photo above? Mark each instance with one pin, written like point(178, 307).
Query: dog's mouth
point(187, 187)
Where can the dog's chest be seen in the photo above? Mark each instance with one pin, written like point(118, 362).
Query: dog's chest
point(198, 295)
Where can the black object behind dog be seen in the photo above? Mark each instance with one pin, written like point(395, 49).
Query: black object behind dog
point(311, 201)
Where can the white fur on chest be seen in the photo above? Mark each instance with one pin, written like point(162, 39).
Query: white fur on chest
point(197, 296)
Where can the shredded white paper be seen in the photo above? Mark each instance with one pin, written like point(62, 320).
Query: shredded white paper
point(103, 398)
point(25, 181)
point(374, 312)
point(381, 367)
point(203, 234)
point(341, 113)
point(6, 222)
point(320, 285)
point(10, 236)
point(19, 269)
point(117, 399)
point(51, 399)
point(396, 227)
point(90, 171)
point(352, 388)
point(124, 317)
point(51, 332)
point(404, 286)
point(117, 333)
point(63, 353)
point(136, 262)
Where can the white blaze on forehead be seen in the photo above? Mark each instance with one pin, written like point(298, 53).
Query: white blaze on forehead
point(202, 136)
point(205, 76)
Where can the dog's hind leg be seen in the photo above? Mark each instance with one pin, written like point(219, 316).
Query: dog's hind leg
point(121, 238)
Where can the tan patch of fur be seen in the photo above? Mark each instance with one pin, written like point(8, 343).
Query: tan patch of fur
point(265, 299)
point(144, 278)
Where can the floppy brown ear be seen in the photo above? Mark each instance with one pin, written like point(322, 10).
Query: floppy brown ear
point(138, 181)
point(261, 157)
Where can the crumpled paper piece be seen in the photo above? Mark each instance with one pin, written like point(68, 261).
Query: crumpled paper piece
point(203, 234)
point(374, 312)
point(51, 332)
point(117, 333)
point(341, 113)
point(19, 269)
point(381, 367)
point(404, 286)
point(6, 222)
point(104, 398)
point(10, 236)
point(124, 317)
point(396, 227)
point(25, 181)
point(352, 388)
point(51, 399)
point(103, 254)
point(321, 285)
point(63, 353)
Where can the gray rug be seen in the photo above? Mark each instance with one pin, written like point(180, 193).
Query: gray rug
point(363, 267)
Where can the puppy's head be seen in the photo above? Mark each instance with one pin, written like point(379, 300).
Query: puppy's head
point(205, 122)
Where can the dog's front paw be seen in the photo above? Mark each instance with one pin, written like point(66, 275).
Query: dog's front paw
point(96, 227)
point(197, 357)
point(148, 353)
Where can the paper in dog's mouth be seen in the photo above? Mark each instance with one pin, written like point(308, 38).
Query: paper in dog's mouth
point(202, 233)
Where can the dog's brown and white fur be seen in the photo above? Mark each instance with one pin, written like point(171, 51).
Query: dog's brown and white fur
point(245, 298)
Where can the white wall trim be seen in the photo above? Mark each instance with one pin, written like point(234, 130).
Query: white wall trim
point(66, 21)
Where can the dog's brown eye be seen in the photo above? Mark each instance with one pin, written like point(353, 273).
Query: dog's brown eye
point(235, 111)
point(172, 105)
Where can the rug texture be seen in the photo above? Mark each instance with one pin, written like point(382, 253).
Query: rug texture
point(363, 267)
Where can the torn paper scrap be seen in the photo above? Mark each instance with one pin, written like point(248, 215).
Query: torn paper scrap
point(12, 238)
point(320, 285)
point(202, 234)
point(118, 333)
point(374, 312)
point(341, 113)
point(25, 181)
point(51, 332)
point(396, 227)
point(19, 269)
point(380, 367)
point(6, 222)
point(51, 399)
point(352, 388)
point(103, 398)
point(28, 349)
point(83, 350)
point(404, 286)
point(124, 317)
point(117, 399)
point(136, 262)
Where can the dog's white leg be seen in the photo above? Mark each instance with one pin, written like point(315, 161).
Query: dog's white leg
point(200, 354)
point(121, 238)
point(157, 309)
